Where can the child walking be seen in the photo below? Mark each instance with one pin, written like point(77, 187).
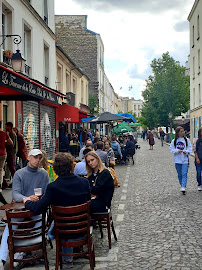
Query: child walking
point(181, 148)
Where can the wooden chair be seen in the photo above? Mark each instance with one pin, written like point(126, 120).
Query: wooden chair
point(104, 220)
point(27, 237)
point(70, 223)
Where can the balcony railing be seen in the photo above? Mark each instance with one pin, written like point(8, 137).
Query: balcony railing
point(27, 70)
point(46, 81)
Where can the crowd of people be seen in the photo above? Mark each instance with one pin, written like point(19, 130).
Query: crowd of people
point(90, 176)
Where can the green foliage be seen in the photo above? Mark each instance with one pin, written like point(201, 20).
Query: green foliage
point(166, 91)
point(93, 102)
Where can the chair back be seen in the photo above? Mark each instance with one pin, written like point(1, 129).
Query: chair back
point(26, 234)
point(26, 227)
point(71, 221)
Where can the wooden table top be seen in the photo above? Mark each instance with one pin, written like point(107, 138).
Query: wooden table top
point(16, 206)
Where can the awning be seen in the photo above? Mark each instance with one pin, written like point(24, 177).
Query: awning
point(15, 86)
point(70, 114)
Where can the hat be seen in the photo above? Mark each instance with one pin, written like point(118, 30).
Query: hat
point(35, 152)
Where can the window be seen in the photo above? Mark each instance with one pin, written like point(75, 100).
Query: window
point(194, 105)
point(27, 49)
point(193, 36)
point(74, 85)
point(134, 107)
point(59, 77)
point(199, 94)
point(87, 94)
point(138, 107)
point(6, 27)
point(193, 67)
point(46, 64)
point(199, 61)
point(67, 82)
point(198, 27)
point(82, 93)
point(46, 11)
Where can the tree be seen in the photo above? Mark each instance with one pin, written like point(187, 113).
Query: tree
point(166, 91)
point(93, 102)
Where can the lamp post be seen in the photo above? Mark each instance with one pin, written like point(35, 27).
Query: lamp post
point(18, 62)
point(183, 119)
point(170, 115)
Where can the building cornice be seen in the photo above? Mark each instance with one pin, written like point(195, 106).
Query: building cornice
point(38, 17)
point(196, 109)
point(193, 9)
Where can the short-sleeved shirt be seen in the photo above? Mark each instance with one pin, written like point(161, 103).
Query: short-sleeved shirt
point(3, 138)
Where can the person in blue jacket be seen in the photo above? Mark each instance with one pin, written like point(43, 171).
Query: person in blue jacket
point(181, 148)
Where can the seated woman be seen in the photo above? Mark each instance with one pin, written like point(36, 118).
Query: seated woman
point(101, 183)
point(110, 154)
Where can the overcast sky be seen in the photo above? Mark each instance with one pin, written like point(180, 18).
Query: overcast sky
point(134, 32)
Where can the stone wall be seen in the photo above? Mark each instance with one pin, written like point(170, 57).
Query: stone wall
point(80, 44)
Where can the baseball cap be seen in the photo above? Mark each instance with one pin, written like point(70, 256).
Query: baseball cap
point(35, 152)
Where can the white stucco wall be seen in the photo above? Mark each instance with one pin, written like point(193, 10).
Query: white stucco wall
point(40, 34)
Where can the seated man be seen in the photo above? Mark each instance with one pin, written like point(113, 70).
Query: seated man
point(129, 149)
point(116, 147)
point(102, 154)
point(67, 190)
point(89, 143)
point(25, 181)
point(80, 168)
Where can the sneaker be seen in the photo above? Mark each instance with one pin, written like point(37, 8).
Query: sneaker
point(199, 188)
point(2, 264)
point(183, 190)
point(2, 223)
point(19, 256)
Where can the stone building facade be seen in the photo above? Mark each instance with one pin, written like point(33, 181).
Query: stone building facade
point(83, 46)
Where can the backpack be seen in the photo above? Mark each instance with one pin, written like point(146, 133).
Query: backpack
point(199, 148)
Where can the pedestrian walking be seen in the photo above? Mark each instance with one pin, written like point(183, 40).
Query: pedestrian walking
point(181, 148)
point(151, 140)
point(11, 149)
point(22, 148)
point(162, 134)
point(198, 157)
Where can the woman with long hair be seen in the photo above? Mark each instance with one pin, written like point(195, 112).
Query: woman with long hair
point(181, 148)
point(198, 157)
point(101, 183)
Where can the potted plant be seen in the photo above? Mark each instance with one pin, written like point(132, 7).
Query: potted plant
point(8, 53)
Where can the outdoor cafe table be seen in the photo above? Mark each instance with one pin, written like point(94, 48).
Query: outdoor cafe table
point(14, 206)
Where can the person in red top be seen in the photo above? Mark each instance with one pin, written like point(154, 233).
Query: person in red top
point(22, 148)
point(4, 140)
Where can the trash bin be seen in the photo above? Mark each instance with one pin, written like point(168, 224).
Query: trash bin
point(168, 137)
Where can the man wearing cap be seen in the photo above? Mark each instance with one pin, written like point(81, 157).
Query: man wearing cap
point(25, 181)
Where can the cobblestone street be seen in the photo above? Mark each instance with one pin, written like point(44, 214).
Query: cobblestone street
point(157, 227)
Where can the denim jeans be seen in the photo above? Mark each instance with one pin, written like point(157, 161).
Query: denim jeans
point(2, 162)
point(182, 170)
point(198, 172)
point(67, 250)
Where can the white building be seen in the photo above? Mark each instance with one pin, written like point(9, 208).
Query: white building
point(126, 104)
point(195, 20)
point(34, 22)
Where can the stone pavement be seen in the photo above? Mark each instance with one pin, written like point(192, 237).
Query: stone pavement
point(157, 227)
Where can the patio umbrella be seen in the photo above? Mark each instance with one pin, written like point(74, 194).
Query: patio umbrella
point(122, 129)
point(137, 124)
point(106, 117)
point(129, 117)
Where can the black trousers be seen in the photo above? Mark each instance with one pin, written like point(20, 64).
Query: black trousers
point(97, 205)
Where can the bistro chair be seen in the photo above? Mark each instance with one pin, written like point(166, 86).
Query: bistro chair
point(28, 236)
point(104, 220)
point(70, 223)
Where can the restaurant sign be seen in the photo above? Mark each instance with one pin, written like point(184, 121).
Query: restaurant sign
point(19, 84)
